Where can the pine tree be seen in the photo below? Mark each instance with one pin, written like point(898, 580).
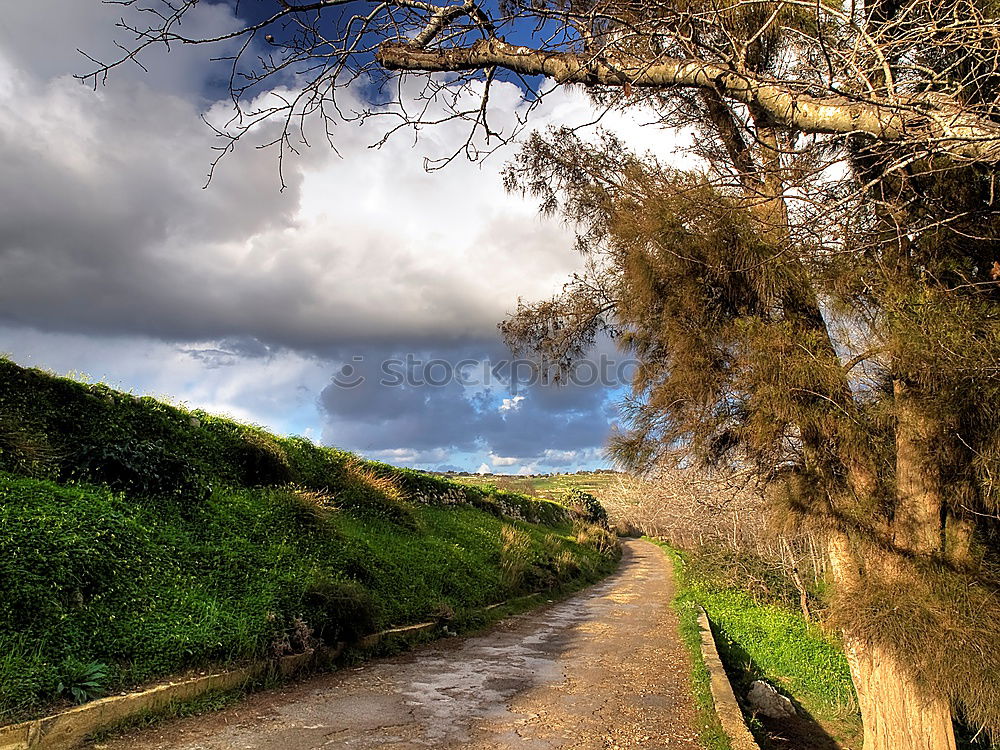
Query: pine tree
point(858, 378)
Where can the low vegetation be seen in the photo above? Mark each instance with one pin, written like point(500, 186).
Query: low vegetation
point(138, 539)
point(761, 636)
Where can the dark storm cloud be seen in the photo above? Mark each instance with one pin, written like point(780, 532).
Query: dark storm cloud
point(368, 410)
point(107, 231)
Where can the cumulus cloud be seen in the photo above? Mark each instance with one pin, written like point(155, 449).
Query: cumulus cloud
point(496, 460)
point(108, 231)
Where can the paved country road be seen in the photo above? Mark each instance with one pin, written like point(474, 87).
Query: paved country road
point(602, 669)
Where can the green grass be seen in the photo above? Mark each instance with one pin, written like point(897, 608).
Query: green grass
point(767, 641)
point(138, 540)
point(91, 576)
point(60, 429)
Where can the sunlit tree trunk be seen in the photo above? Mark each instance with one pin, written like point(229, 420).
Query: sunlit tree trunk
point(917, 524)
point(896, 713)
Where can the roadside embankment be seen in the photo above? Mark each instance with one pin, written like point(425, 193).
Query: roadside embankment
point(140, 540)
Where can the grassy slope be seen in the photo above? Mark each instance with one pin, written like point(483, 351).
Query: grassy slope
point(151, 540)
point(766, 641)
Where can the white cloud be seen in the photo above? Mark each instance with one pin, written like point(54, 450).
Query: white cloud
point(107, 229)
point(409, 456)
point(511, 404)
point(114, 260)
point(503, 460)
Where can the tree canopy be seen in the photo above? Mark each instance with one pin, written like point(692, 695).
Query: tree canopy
point(922, 74)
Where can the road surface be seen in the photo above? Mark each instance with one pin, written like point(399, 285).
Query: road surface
point(603, 669)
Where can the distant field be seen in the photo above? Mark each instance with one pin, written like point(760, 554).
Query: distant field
point(551, 487)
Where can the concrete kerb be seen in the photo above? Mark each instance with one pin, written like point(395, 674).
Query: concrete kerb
point(67, 729)
point(726, 707)
point(514, 602)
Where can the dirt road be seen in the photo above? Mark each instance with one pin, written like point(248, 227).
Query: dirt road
point(603, 669)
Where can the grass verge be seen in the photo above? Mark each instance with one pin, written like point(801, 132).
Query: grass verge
point(768, 642)
point(710, 731)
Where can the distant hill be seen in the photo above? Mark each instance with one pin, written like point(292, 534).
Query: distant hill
point(600, 483)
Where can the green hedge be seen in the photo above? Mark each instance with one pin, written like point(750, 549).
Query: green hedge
point(89, 576)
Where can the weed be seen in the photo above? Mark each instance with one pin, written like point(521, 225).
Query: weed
point(83, 682)
point(515, 557)
point(309, 505)
point(368, 491)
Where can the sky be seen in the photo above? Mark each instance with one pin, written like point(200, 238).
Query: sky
point(357, 307)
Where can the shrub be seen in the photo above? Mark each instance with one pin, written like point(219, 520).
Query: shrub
point(590, 506)
point(338, 610)
point(370, 492)
point(598, 537)
point(313, 466)
point(260, 459)
point(28, 453)
point(59, 548)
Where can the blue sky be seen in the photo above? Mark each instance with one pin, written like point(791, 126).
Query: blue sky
point(117, 265)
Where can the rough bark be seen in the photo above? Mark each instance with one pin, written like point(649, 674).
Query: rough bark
point(896, 713)
point(937, 122)
point(917, 524)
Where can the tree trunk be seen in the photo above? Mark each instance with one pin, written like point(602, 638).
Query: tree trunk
point(917, 525)
point(895, 713)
